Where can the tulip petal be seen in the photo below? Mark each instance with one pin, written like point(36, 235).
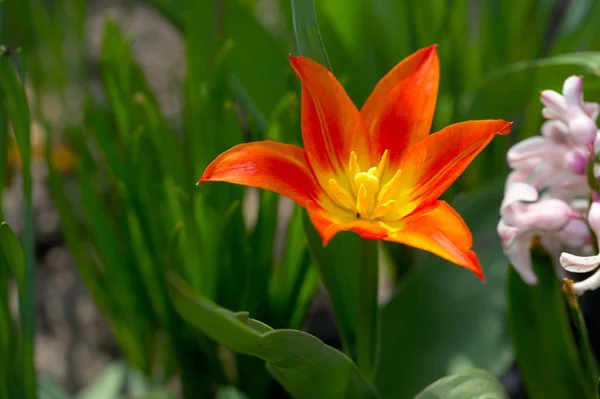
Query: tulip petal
point(433, 164)
point(441, 231)
point(328, 224)
point(331, 124)
point(400, 110)
point(270, 165)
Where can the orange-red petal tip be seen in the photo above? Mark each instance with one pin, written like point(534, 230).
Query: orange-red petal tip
point(432, 47)
point(474, 265)
point(295, 59)
point(205, 176)
point(506, 128)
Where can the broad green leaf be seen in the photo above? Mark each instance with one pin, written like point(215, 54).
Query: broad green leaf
point(546, 353)
point(443, 319)
point(472, 384)
point(301, 363)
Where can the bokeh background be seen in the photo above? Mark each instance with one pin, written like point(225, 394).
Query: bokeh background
point(129, 101)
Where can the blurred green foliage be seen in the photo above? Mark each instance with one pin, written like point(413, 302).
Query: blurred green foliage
point(135, 222)
point(539, 320)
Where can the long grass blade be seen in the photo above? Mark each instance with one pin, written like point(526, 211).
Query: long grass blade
point(15, 100)
point(306, 29)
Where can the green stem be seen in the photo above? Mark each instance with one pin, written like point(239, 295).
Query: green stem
point(585, 348)
point(367, 322)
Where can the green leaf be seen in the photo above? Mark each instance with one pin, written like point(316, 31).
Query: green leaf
point(506, 92)
point(473, 384)
point(170, 9)
point(306, 30)
point(346, 17)
point(338, 267)
point(108, 385)
point(579, 27)
point(301, 363)
point(48, 388)
point(546, 353)
point(589, 362)
point(7, 332)
point(230, 393)
point(12, 93)
point(256, 56)
point(12, 254)
point(293, 280)
point(368, 323)
point(443, 319)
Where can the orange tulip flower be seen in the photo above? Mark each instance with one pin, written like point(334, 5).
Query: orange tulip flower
point(377, 172)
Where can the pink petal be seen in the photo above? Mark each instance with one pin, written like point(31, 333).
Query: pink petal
point(518, 192)
point(592, 110)
point(573, 90)
point(579, 264)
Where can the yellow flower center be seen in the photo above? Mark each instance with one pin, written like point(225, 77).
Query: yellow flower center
point(369, 199)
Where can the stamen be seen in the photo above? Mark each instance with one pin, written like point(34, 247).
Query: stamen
point(382, 164)
point(353, 169)
point(382, 209)
point(340, 194)
point(364, 195)
point(390, 189)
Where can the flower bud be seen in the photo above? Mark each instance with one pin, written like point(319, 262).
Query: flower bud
point(583, 129)
point(573, 90)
